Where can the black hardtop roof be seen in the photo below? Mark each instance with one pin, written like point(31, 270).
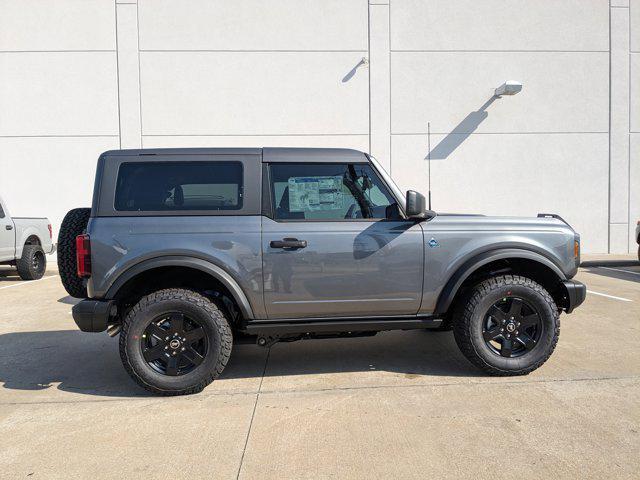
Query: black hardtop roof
point(268, 154)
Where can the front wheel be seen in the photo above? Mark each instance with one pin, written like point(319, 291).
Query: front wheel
point(508, 325)
point(175, 342)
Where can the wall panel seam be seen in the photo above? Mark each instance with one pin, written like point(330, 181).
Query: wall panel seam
point(118, 77)
point(71, 135)
point(629, 224)
point(254, 134)
point(59, 51)
point(609, 144)
point(369, 69)
point(390, 96)
point(250, 51)
point(139, 72)
point(502, 133)
point(495, 51)
point(629, 211)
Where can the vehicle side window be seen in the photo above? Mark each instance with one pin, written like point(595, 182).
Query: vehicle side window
point(330, 191)
point(180, 186)
point(1, 212)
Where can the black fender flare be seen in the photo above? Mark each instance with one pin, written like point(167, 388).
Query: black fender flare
point(474, 263)
point(191, 262)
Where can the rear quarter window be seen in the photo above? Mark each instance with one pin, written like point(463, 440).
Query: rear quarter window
point(179, 186)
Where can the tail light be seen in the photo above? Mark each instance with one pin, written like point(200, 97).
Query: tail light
point(83, 255)
point(50, 231)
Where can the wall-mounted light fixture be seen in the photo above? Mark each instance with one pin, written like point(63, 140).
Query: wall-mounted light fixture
point(510, 87)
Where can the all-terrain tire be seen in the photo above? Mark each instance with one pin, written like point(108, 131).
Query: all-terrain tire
point(193, 305)
point(32, 264)
point(74, 224)
point(468, 326)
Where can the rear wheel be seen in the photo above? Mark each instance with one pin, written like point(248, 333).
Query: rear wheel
point(508, 325)
point(32, 264)
point(175, 342)
point(74, 224)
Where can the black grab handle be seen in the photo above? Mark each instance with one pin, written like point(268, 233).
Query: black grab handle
point(288, 243)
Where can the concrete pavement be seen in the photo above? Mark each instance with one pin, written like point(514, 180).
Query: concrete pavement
point(400, 404)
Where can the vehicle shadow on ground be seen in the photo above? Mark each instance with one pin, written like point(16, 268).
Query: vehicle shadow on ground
point(69, 300)
point(629, 274)
point(90, 364)
point(7, 274)
point(11, 275)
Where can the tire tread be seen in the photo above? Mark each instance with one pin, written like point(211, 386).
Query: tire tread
point(193, 297)
point(24, 264)
point(74, 224)
point(462, 327)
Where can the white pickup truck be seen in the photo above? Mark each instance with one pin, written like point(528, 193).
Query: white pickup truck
point(24, 243)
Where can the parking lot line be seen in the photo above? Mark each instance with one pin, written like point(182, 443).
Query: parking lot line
point(609, 296)
point(28, 283)
point(621, 270)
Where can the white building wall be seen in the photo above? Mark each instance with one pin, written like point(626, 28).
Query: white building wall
point(634, 118)
point(78, 77)
point(58, 101)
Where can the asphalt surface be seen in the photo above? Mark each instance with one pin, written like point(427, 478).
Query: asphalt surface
point(397, 405)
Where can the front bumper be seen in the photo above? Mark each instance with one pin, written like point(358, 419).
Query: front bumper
point(574, 294)
point(92, 315)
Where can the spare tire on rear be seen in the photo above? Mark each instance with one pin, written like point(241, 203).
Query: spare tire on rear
point(74, 224)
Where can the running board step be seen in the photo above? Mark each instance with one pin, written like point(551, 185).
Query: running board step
point(340, 325)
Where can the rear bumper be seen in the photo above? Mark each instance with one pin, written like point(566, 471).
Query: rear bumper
point(574, 293)
point(92, 315)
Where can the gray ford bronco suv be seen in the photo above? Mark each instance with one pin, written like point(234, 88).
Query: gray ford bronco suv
point(185, 250)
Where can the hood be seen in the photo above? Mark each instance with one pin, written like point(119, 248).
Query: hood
point(544, 221)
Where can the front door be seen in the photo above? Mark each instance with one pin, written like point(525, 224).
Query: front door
point(336, 244)
point(7, 237)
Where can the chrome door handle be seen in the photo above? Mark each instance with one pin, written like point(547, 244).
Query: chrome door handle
point(288, 243)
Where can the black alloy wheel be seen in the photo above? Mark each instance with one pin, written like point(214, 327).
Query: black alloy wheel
point(175, 341)
point(38, 262)
point(512, 327)
point(174, 344)
point(506, 325)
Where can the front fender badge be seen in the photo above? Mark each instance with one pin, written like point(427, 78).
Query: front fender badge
point(433, 243)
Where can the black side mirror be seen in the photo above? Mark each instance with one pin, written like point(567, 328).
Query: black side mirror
point(417, 206)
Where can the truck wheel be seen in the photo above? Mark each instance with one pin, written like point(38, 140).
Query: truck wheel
point(32, 264)
point(508, 325)
point(175, 342)
point(74, 224)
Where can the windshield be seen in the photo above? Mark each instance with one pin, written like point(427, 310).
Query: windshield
point(389, 181)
